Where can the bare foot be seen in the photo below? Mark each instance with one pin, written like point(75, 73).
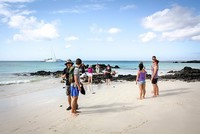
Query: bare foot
point(74, 114)
point(139, 98)
point(78, 111)
point(154, 96)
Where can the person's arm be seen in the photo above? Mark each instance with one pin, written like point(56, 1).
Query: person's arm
point(138, 73)
point(77, 82)
point(64, 74)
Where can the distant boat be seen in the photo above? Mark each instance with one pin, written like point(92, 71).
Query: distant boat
point(52, 59)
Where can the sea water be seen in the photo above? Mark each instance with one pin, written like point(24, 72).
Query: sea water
point(14, 72)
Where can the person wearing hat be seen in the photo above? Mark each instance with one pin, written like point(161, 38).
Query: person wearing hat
point(68, 73)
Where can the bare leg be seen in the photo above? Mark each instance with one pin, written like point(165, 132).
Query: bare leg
point(74, 104)
point(154, 90)
point(69, 100)
point(109, 81)
point(140, 87)
point(157, 90)
point(144, 90)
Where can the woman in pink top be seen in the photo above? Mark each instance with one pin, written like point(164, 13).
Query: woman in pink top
point(90, 71)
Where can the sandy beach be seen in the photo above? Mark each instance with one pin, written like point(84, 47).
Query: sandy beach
point(40, 108)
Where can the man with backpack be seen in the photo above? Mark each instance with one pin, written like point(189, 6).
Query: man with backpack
point(68, 75)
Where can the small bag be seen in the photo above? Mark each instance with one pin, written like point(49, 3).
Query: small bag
point(82, 89)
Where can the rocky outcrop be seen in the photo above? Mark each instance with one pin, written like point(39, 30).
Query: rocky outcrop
point(192, 61)
point(186, 74)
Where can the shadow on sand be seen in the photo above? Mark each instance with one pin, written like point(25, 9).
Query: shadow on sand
point(173, 92)
point(109, 108)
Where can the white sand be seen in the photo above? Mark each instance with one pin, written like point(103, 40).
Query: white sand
point(34, 108)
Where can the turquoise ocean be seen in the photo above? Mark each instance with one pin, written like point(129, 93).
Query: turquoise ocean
point(15, 72)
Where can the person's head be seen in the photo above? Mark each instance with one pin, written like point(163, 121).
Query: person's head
point(69, 63)
point(154, 58)
point(141, 66)
point(78, 62)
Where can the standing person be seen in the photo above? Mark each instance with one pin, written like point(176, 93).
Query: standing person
point(108, 74)
point(154, 76)
point(75, 87)
point(97, 68)
point(90, 75)
point(82, 71)
point(141, 80)
point(90, 71)
point(68, 76)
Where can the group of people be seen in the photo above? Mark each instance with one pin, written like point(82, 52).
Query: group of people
point(73, 83)
point(141, 78)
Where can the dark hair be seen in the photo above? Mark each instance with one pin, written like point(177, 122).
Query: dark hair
point(78, 61)
point(157, 61)
point(141, 66)
point(154, 57)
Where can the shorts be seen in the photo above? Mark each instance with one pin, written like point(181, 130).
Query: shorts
point(141, 82)
point(108, 76)
point(154, 81)
point(67, 90)
point(89, 74)
point(74, 91)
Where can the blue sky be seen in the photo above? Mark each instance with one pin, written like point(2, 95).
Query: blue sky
point(100, 29)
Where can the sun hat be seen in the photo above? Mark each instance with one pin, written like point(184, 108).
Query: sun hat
point(69, 61)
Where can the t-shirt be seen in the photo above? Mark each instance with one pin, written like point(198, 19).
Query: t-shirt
point(77, 73)
point(89, 70)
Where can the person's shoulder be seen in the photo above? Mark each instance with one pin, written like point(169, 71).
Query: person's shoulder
point(144, 70)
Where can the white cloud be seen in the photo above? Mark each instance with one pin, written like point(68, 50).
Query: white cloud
point(43, 32)
point(147, 36)
point(196, 38)
point(184, 33)
point(177, 23)
point(114, 30)
point(68, 46)
point(29, 28)
point(127, 7)
point(71, 38)
point(81, 9)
